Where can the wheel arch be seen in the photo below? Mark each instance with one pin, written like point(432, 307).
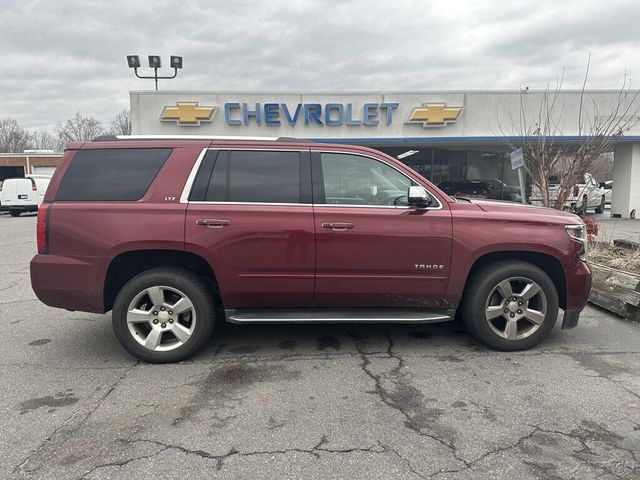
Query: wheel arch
point(549, 264)
point(128, 264)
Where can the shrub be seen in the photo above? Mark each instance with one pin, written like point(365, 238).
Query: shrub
point(592, 228)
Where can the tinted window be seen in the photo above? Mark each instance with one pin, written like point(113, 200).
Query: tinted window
point(255, 176)
point(111, 174)
point(357, 180)
point(217, 191)
point(201, 182)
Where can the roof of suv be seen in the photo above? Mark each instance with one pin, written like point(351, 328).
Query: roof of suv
point(118, 141)
point(109, 138)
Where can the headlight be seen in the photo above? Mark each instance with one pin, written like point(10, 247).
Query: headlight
point(579, 233)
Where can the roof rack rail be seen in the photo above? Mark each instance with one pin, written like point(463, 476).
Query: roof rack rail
point(108, 138)
point(293, 139)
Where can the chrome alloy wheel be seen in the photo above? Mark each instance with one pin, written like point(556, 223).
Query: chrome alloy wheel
point(516, 308)
point(161, 318)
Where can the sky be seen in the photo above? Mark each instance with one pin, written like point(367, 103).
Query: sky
point(66, 56)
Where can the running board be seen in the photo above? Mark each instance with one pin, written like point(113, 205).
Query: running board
point(333, 315)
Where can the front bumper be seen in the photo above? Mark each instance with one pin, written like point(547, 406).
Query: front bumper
point(570, 319)
point(578, 285)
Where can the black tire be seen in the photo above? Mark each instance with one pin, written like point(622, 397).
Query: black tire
point(600, 208)
point(478, 295)
point(15, 213)
point(187, 282)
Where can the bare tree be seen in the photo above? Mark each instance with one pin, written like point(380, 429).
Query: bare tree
point(567, 162)
point(44, 140)
point(79, 129)
point(121, 123)
point(13, 138)
point(602, 169)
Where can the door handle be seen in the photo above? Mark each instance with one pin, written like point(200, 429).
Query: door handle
point(213, 222)
point(338, 226)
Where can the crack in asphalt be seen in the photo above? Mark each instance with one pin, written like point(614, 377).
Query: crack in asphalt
point(88, 414)
point(583, 435)
point(389, 399)
point(223, 360)
point(220, 460)
point(8, 287)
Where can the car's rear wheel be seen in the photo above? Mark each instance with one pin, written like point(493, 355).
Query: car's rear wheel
point(510, 305)
point(15, 213)
point(600, 208)
point(164, 315)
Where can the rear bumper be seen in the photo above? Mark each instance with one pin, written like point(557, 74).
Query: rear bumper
point(69, 283)
point(20, 208)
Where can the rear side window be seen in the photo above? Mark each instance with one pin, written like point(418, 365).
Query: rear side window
point(253, 177)
point(119, 174)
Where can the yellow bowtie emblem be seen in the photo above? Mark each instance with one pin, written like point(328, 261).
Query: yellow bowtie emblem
point(187, 113)
point(434, 115)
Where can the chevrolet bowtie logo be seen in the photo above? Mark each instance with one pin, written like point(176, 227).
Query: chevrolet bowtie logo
point(187, 113)
point(434, 115)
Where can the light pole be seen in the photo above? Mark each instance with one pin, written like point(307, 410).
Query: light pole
point(154, 62)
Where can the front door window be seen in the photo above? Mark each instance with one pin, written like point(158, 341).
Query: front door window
point(357, 180)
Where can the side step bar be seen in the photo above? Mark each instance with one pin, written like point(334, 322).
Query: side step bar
point(333, 315)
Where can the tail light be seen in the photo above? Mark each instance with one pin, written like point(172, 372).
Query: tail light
point(42, 228)
point(33, 187)
point(576, 190)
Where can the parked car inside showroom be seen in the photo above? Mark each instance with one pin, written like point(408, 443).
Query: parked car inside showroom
point(490, 189)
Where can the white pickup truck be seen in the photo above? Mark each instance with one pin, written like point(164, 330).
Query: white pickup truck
point(581, 197)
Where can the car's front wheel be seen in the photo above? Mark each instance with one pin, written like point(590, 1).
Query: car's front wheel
point(510, 305)
point(164, 315)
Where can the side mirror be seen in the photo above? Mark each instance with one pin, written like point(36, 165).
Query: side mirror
point(419, 197)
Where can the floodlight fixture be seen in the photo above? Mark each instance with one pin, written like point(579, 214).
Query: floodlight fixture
point(176, 62)
point(155, 62)
point(133, 61)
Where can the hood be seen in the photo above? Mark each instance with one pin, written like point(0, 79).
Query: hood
point(518, 209)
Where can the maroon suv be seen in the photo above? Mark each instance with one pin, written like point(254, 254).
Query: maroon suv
point(176, 235)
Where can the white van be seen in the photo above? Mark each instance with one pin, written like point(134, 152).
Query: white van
point(19, 195)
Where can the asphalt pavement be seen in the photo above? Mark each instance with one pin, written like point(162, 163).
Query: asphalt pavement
point(307, 402)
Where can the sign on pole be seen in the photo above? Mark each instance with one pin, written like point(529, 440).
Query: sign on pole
point(517, 159)
point(517, 163)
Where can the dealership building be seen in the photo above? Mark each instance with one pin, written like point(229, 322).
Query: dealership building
point(30, 162)
point(444, 135)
